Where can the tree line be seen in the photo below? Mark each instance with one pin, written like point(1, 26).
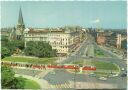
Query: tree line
point(38, 48)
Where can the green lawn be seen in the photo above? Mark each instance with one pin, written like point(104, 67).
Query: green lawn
point(98, 64)
point(30, 84)
point(78, 62)
point(99, 53)
point(104, 65)
point(103, 74)
point(31, 60)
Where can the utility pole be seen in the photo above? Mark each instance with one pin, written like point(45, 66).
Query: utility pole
point(75, 80)
point(74, 76)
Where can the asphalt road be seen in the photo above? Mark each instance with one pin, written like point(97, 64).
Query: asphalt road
point(62, 76)
point(63, 79)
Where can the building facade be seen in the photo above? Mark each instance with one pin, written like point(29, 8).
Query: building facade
point(64, 41)
point(100, 39)
point(114, 39)
point(118, 42)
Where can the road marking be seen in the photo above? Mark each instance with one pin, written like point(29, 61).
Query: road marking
point(56, 85)
point(62, 86)
point(67, 85)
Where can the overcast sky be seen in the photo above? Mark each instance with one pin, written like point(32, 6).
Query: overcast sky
point(103, 14)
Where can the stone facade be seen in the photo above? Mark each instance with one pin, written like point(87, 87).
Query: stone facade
point(64, 41)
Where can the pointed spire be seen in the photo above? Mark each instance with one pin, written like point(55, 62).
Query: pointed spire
point(20, 18)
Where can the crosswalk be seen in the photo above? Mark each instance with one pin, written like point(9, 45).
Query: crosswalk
point(64, 85)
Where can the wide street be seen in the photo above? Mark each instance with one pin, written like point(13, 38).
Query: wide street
point(60, 78)
point(117, 82)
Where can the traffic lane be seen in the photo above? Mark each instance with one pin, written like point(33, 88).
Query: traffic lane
point(77, 54)
point(119, 81)
point(95, 82)
point(72, 59)
point(60, 77)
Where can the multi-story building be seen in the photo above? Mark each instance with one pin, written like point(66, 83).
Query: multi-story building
point(114, 39)
point(64, 41)
point(100, 39)
point(118, 42)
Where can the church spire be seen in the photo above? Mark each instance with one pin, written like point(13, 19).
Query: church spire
point(20, 18)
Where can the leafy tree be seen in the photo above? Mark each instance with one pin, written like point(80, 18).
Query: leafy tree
point(5, 52)
point(31, 48)
point(12, 45)
point(18, 83)
point(9, 81)
point(7, 75)
point(39, 49)
point(4, 38)
point(19, 44)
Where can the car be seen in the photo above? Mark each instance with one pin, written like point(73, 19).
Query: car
point(102, 78)
point(115, 75)
point(124, 75)
point(90, 56)
point(52, 73)
point(122, 69)
point(92, 75)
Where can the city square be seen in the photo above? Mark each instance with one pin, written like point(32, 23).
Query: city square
point(66, 57)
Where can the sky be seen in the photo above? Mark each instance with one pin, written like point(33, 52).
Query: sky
point(41, 14)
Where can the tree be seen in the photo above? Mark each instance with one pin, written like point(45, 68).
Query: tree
point(39, 49)
point(9, 81)
point(18, 83)
point(13, 45)
point(31, 48)
point(5, 52)
point(7, 75)
point(18, 44)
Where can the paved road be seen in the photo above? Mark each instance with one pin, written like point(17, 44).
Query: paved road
point(63, 79)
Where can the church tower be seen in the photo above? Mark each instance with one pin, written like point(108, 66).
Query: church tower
point(20, 26)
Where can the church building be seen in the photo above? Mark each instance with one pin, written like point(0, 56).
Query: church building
point(17, 33)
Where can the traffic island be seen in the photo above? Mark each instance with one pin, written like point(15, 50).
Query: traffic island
point(99, 53)
point(106, 69)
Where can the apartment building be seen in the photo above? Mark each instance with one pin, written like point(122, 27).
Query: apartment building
point(101, 40)
point(64, 41)
point(114, 39)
